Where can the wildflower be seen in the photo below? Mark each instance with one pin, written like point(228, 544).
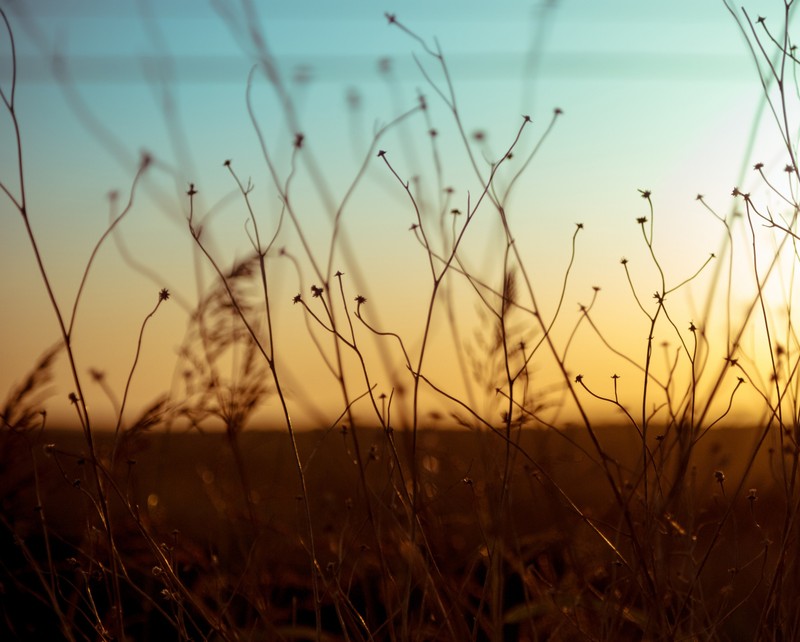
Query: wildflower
point(692, 326)
point(758, 166)
point(479, 135)
point(298, 140)
point(163, 294)
point(558, 111)
point(641, 220)
point(316, 291)
point(789, 169)
point(391, 17)
point(579, 379)
point(760, 20)
point(192, 191)
point(699, 197)
point(73, 398)
point(579, 225)
point(645, 193)
point(361, 300)
point(526, 118)
point(624, 261)
point(752, 495)
point(381, 153)
point(227, 163)
point(719, 476)
point(455, 211)
point(735, 192)
point(433, 133)
point(297, 298)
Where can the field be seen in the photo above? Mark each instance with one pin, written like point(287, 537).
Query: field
point(455, 434)
point(249, 565)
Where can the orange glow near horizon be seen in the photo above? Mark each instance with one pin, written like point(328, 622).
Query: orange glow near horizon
point(571, 213)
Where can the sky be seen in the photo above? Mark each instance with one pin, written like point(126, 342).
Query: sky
point(659, 97)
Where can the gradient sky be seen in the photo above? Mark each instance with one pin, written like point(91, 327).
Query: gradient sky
point(655, 96)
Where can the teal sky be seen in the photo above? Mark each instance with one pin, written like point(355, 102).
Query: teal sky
point(655, 95)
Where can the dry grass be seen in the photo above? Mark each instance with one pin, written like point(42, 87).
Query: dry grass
point(506, 522)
